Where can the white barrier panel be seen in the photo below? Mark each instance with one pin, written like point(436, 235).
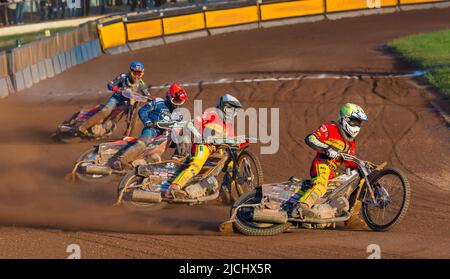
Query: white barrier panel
point(49, 69)
point(35, 73)
point(41, 69)
point(56, 65)
point(19, 83)
point(62, 61)
point(68, 59)
point(27, 78)
point(73, 56)
point(4, 90)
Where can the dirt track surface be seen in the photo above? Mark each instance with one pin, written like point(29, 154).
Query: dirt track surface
point(40, 213)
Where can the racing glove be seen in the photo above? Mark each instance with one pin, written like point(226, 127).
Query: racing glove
point(116, 89)
point(195, 132)
point(149, 124)
point(332, 153)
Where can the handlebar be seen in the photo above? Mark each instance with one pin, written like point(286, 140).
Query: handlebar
point(136, 97)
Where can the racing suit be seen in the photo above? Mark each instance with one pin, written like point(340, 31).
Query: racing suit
point(121, 83)
point(209, 125)
point(323, 167)
point(156, 110)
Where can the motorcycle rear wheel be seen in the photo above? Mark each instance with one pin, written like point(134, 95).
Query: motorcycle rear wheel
point(377, 183)
point(92, 177)
point(244, 223)
point(129, 179)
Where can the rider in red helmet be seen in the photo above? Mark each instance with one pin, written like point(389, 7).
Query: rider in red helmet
point(156, 110)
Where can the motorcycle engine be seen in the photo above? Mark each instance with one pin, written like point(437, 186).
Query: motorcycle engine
point(101, 129)
point(195, 191)
point(341, 204)
point(98, 130)
point(205, 187)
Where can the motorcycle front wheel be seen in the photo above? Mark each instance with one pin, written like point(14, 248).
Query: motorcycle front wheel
point(128, 182)
point(244, 217)
point(250, 174)
point(392, 196)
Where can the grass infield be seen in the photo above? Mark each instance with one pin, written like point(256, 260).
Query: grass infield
point(429, 51)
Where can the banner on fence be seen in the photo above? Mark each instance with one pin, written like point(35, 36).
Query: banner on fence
point(143, 29)
point(291, 9)
point(230, 17)
point(183, 23)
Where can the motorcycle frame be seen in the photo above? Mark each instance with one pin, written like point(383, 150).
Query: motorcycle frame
point(363, 184)
point(232, 158)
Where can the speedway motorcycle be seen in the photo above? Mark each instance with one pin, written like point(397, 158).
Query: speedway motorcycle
point(65, 134)
point(143, 188)
point(93, 165)
point(381, 194)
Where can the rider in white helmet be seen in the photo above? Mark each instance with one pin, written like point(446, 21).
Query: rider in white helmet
point(329, 140)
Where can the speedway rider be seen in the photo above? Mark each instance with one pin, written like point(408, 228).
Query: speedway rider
point(329, 140)
point(156, 110)
point(132, 81)
point(217, 123)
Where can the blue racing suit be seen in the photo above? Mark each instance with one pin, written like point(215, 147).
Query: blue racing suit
point(124, 82)
point(156, 110)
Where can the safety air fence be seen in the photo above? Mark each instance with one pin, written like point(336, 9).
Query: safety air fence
point(23, 66)
point(156, 27)
point(47, 57)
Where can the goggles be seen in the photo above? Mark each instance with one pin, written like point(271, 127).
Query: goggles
point(137, 74)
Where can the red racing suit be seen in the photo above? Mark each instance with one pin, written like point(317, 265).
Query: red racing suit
point(210, 124)
point(323, 168)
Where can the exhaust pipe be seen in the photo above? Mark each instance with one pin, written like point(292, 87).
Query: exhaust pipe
point(95, 169)
point(269, 216)
point(146, 196)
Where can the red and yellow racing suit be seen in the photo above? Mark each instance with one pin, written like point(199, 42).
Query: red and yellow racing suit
point(323, 168)
point(209, 124)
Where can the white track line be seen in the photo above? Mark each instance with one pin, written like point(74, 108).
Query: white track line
point(301, 77)
point(268, 79)
point(444, 115)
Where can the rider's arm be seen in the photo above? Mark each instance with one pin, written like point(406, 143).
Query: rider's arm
point(144, 114)
point(191, 127)
point(144, 89)
point(349, 164)
point(115, 83)
point(316, 139)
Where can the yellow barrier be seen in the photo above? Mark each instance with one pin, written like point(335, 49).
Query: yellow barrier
point(291, 9)
point(112, 35)
point(419, 1)
point(348, 5)
point(144, 29)
point(229, 17)
point(183, 23)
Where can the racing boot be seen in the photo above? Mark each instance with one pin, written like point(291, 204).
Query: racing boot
point(93, 120)
point(129, 155)
point(175, 191)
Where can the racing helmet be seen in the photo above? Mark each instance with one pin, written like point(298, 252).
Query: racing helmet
point(137, 69)
point(228, 104)
point(351, 118)
point(176, 95)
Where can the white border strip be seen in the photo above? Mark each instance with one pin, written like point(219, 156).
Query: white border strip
point(301, 77)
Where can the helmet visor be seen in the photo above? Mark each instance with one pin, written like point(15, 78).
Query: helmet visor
point(177, 101)
point(229, 111)
point(354, 122)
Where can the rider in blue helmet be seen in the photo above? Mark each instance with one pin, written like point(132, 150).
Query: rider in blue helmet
point(128, 81)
